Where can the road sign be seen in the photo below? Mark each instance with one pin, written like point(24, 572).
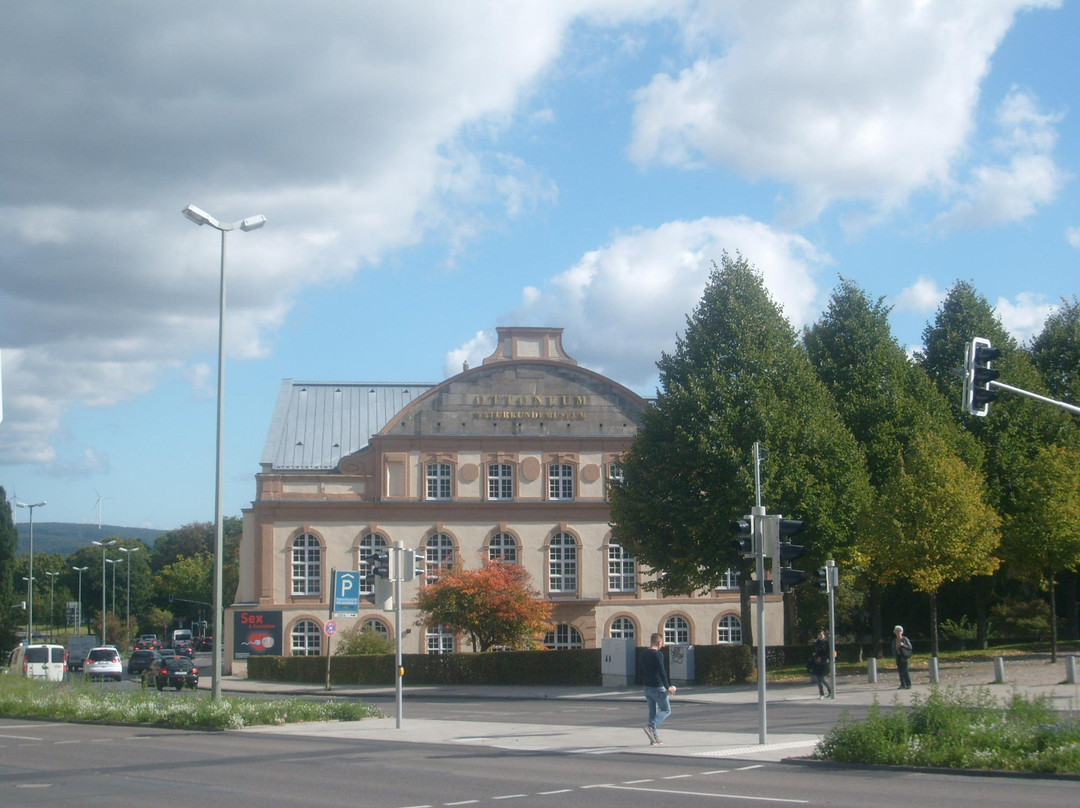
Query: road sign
point(346, 592)
point(330, 628)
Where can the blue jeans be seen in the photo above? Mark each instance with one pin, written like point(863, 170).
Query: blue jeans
point(659, 705)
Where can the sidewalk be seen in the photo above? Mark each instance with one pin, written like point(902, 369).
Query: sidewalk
point(1029, 676)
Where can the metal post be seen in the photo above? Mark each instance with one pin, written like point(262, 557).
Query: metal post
point(399, 557)
point(830, 568)
point(757, 522)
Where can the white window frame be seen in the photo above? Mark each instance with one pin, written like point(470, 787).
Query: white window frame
point(562, 563)
point(623, 628)
point(438, 640)
point(564, 638)
point(676, 630)
point(306, 566)
point(378, 626)
point(306, 638)
point(503, 547)
point(500, 477)
point(729, 630)
point(560, 482)
point(439, 478)
point(622, 569)
point(438, 552)
point(369, 545)
point(729, 580)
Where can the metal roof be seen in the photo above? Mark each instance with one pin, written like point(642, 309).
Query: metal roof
point(315, 424)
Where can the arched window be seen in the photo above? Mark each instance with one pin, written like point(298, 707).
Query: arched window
point(729, 630)
point(564, 637)
point(560, 481)
point(439, 640)
point(378, 626)
point(438, 481)
point(306, 565)
point(562, 563)
point(615, 475)
point(306, 639)
point(503, 547)
point(676, 630)
point(369, 545)
point(438, 553)
point(622, 628)
point(622, 570)
point(500, 481)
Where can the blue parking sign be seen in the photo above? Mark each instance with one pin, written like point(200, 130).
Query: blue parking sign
point(346, 592)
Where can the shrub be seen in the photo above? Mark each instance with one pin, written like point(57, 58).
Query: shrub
point(359, 641)
point(1020, 618)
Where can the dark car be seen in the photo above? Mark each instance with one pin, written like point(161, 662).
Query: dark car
point(204, 643)
point(140, 660)
point(175, 671)
point(184, 648)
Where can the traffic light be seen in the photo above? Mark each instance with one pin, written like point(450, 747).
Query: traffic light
point(977, 376)
point(380, 564)
point(744, 536)
point(789, 552)
point(414, 565)
point(823, 579)
point(377, 581)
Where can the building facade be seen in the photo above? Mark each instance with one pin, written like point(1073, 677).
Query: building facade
point(511, 460)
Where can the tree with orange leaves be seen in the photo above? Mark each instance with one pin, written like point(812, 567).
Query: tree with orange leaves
point(495, 605)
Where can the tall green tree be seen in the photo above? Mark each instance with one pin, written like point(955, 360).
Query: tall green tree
point(883, 397)
point(1056, 352)
point(933, 523)
point(9, 538)
point(187, 585)
point(1042, 536)
point(738, 375)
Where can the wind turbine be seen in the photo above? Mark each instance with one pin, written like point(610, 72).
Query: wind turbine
point(98, 506)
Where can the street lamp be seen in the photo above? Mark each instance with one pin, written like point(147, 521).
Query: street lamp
point(29, 588)
point(104, 545)
point(201, 217)
point(30, 594)
point(52, 606)
point(127, 621)
point(114, 562)
point(78, 606)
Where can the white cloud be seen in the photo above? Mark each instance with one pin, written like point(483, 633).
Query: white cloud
point(922, 297)
point(1072, 235)
point(1024, 318)
point(623, 304)
point(844, 100)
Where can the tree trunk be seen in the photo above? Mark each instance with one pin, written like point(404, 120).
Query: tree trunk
point(933, 625)
point(745, 614)
point(875, 620)
point(982, 587)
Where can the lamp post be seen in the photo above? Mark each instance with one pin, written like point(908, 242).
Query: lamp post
point(30, 594)
point(201, 217)
point(78, 606)
point(127, 551)
point(114, 562)
point(29, 587)
point(52, 605)
point(104, 545)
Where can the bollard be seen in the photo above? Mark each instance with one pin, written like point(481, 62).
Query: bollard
point(999, 670)
point(871, 670)
point(1070, 669)
point(933, 670)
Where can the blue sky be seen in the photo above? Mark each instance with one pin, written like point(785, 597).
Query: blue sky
point(432, 170)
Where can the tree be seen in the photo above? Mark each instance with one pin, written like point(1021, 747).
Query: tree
point(933, 523)
point(1042, 536)
point(189, 578)
point(494, 605)
point(738, 375)
point(1056, 352)
point(9, 538)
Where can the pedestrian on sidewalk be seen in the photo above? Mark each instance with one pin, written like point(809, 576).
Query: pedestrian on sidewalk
point(902, 651)
point(819, 665)
point(658, 687)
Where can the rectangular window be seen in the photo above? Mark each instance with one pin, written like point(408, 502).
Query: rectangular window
point(560, 481)
point(622, 570)
point(500, 481)
point(438, 481)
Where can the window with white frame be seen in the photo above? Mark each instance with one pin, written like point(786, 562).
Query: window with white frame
point(438, 553)
point(439, 640)
point(562, 563)
point(500, 481)
point(622, 569)
point(564, 637)
point(615, 473)
point(378, 626)
point(622, 628)
point(503, 547)
point(369, 545)
point(729, 630)
point(560, 481)
point(306, 565)
point(729, 580)
point(676, 630)
point(438, 481)
point(306, 639)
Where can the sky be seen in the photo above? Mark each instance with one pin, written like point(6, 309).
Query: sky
point(430, 171)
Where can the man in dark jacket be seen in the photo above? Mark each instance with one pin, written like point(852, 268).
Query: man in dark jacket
point(657, 687)
point(819, 665)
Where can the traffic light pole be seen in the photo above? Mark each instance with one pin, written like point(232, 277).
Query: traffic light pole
point(757, 523)
point(1019, 391)
point(397, 571)
point(830, 571)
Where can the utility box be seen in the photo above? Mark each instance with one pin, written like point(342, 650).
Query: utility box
point(682, 663)
point(618, 662)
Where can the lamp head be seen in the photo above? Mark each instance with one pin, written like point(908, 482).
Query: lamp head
point(199, 216)
point(253, 222)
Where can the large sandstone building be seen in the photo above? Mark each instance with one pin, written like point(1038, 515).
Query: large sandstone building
point(510, 460)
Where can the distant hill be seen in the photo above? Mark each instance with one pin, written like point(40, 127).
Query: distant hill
point(67, 537)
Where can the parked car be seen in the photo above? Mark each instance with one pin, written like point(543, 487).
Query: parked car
point(140, 660)
point(103, 662)
point(77, 649)
point(40, 661)
point(175, 671)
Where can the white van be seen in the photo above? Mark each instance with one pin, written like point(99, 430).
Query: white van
point(47, 662)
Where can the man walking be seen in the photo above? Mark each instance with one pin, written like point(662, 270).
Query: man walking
point(657, 687)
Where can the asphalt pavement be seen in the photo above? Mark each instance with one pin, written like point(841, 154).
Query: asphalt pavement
point(1030, 675)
